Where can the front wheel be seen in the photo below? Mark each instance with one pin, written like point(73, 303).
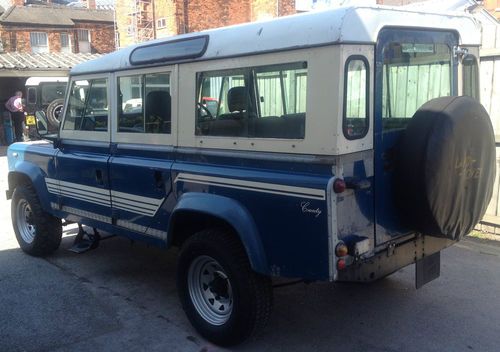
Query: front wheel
point(38, 233)
point(223, 298)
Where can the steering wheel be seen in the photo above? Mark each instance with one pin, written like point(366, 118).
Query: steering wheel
point(205, 110)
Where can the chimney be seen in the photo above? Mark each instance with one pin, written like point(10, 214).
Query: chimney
point(17, 2)
point(91, 4)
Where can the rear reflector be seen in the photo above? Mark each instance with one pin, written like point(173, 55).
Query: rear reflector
point(339, 185)
point(341, 264)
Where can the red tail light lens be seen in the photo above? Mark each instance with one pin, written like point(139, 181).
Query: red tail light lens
point(339, 185)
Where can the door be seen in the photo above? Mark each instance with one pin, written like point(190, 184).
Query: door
point(142, 152)
point(82, 161)
point(412, 67)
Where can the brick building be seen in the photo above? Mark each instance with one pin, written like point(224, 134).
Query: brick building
point(140, 20)
point(40, 38)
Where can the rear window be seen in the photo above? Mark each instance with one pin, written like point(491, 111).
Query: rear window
point(413, 73)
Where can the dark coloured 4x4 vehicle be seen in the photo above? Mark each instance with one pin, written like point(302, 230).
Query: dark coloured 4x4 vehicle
point(44, 103)
point(340, 146)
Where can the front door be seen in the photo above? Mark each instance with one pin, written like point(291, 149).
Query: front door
point(412, 67)
point(82, 180)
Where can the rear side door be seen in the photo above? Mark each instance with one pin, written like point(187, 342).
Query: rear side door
point(82, 181)
point(412, 67)
point(142, 151)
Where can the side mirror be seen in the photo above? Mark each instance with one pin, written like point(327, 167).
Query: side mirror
point(42, 128)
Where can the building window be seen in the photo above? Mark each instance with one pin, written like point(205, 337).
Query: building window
point(65, 44)
point(39, 42)
point(161, 23)
point(83, 40)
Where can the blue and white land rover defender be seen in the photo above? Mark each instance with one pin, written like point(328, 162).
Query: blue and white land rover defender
point(340, 145)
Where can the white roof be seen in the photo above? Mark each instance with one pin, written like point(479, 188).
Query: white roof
point(34, 81)
point(342, 25)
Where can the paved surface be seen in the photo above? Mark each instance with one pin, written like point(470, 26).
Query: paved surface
point(122, 297)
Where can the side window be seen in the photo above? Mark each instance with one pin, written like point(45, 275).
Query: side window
point(32, 95)
point(144, 103)
point(88, 106)
point(258, 102)
point(356, 105)
point(470, 77)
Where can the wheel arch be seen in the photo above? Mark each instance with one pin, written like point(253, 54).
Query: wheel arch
point(27, 174)
point(197, 211)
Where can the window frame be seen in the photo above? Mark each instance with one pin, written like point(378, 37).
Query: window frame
point(146, 138)
point(476, 74)
point(161, 23)
point(367, 95)
point(250, 76)
point(66, 48)
point(92, 136)
point(79, 31)
point(32, 34)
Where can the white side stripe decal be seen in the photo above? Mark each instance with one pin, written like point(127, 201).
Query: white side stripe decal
point(273, 188)
point(125, 201)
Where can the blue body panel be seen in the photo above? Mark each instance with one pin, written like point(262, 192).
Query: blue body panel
point(36, 161)
point(292, 227)
point(142, 178)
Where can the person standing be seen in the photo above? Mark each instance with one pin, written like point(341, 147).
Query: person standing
point(15, 106)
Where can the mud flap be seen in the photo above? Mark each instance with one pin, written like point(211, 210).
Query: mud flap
point(427, 269)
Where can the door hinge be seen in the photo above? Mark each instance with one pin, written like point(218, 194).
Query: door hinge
point(391, 248)
point(460, 52)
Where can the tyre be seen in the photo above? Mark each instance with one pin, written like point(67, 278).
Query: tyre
point(223, 298)
point(446, 167)
point(54, 111)
point(38, 233)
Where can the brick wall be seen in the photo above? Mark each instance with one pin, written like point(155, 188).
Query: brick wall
point(102, 38)
point(206, 14)
point(166, 9)
point(196, 15)
point(54, 42)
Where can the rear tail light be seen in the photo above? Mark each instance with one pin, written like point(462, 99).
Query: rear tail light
point(339, 185)
point(341, 264)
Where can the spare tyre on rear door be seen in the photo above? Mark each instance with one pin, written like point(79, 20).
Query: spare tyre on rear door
point(54, 111)
point(446, 167)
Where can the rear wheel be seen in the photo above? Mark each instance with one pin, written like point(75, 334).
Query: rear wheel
point(38, 233)
point(223, 298)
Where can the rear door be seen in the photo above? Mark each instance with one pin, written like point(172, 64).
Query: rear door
point(142, 150)
point(412, 67)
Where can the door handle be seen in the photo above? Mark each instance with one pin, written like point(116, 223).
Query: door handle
point(158, 176)
point(98, 177)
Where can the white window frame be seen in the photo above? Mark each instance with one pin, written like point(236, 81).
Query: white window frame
point(39, 48)
point(65, 49)
point(322, 112)
point(161, 23)
point(80, 31)
point(147, 138)
point(90, 136)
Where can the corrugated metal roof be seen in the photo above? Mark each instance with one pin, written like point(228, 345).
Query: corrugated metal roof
point(43, 62)
point(53, 15)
